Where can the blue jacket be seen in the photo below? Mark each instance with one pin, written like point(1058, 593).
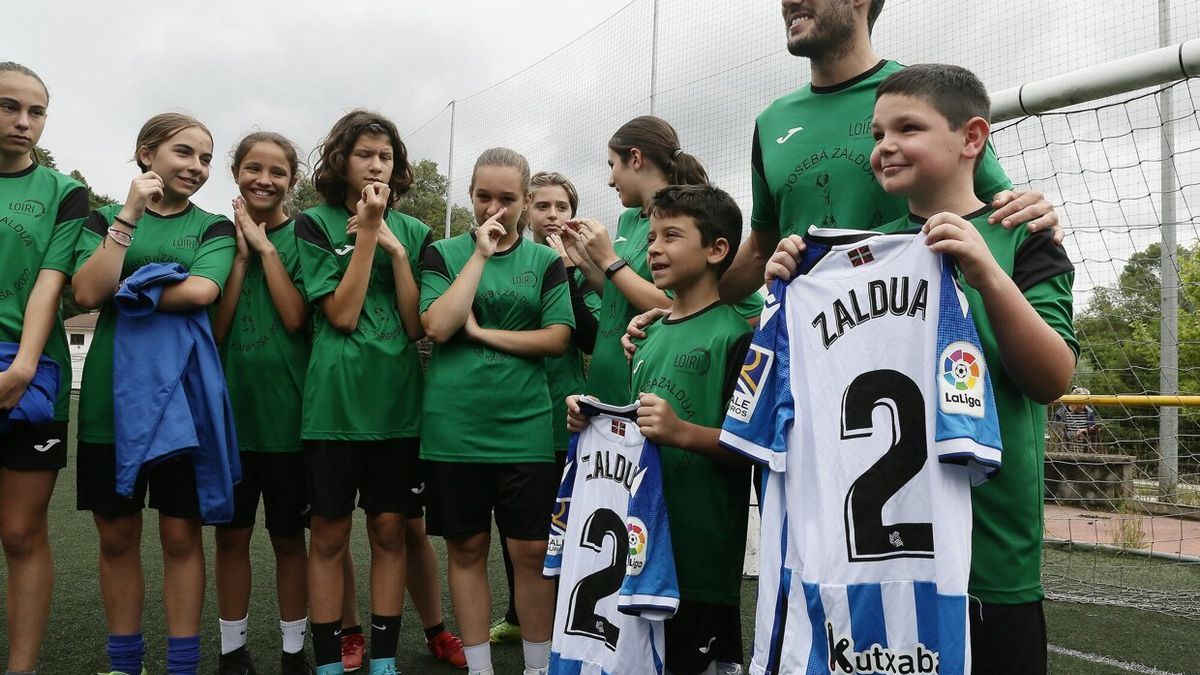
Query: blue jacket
point(37, 404)
point(169, 393)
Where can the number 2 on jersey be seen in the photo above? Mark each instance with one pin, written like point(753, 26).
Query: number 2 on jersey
point(582, 616)
point(867, 536)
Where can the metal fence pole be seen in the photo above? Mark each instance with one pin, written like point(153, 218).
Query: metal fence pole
point(450, 171)
point(1168, 377)
point(654, 57)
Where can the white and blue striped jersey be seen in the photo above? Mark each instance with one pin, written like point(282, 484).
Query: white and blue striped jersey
point(610, 547)
point(866, 393)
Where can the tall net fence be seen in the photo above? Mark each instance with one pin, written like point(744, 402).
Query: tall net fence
point(1123, 173)
point(1118, 532)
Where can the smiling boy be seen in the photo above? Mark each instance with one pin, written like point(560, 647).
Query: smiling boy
point(684, 372)
point(931, 128)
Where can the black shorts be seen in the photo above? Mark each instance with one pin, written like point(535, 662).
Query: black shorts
point(279, 478)
point(382, 474)
point(701, 633)
point(34, 447)
point(171, 484)
point(1007, 638)
point(462, 496)
point(417, 508)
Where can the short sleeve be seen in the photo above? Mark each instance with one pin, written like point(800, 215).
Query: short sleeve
point(967, 426)
point(319, 266)
point(93, 231)
point(650, 589)
point(60, 254)
point(552, 567)
point(762, 409)
point(435, 277)
point(556, 296)
point(990, 178)
point(214, 258)
point(750, 306)
point(763, 215)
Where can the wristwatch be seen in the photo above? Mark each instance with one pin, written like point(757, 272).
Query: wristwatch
point(614, 268)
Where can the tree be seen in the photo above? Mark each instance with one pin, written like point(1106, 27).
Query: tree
point(1118, 334)
point(425, 200)
point(95, 200)
point(45, 157)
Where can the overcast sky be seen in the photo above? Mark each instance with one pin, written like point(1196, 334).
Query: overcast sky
point(292, 67)
point(296, 66)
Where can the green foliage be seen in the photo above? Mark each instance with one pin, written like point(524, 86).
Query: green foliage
point(45, 157)
point(95, 199)
point(303, 196)
point(1118, 335)
point(426, 201)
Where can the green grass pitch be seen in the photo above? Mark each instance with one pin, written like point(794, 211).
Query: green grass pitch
point(75, 642)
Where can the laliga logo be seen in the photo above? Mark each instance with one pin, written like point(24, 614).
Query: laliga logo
point(961, 383)
point(637, 546)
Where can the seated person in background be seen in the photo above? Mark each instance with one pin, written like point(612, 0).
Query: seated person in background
point(1077, 424)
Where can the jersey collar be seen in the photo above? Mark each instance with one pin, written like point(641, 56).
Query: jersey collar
point(834, 88)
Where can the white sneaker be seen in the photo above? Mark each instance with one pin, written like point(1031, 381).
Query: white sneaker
point(537, 671)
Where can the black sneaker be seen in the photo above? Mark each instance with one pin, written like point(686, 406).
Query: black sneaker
point(236, 662)
point(294, 664)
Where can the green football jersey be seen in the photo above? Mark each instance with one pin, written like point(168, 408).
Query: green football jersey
point(482, 404)
point(811, 160)
point(264, 364)
point(565, 373)
point(202, 242)
point(40, 213)
point(1006, 547)
point(608, 375)
point(691, 363)
point(365, 386)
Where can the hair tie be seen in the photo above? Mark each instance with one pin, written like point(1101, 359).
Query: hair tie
point(678, 152)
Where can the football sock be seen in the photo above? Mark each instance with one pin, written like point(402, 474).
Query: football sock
point(479, 657)
point(327, 644)
point(125, 653)
point(233, 633)
point(351, 630)
point(183, 655)
point(383, 666)
point(537, 654)
point(385, 635)
point(293, 634)
point(434, 631)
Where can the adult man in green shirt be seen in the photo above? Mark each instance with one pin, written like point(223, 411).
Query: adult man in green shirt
point(812, 147)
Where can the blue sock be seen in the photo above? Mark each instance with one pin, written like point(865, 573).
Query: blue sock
point(383, 665)
point(125, 653)
point(183, 655)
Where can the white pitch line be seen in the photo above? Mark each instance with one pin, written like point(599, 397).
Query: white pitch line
point(1123, 665)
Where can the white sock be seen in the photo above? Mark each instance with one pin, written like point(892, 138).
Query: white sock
point(293, 634)
point(233, 634)
point(479, 658)
point(537, 654)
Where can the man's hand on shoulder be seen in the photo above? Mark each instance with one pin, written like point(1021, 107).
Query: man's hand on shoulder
point(1014, 208)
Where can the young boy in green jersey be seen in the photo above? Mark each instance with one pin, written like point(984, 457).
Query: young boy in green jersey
point(684, 372)
point(931, 128)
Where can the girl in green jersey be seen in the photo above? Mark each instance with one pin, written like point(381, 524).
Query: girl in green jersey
point(157, 223)
point(645, 157)
point(262, 327)
point(42, 210)
point(362, 393)
point(496, 306)
point(553, 200)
